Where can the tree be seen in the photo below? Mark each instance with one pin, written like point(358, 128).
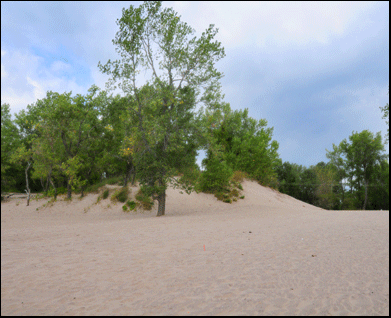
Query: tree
point(326, 179)
point(289, 178)
point(22, 156)
point(338, 163)
point(309, 185)
point(379, 196)
point(10, 141)
point(247, 146)
point(362, 155)
point(162, 108)
point(62, 133)
point(386, 115)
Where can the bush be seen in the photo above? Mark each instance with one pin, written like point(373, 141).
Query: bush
point(120, 195)
point(216, 176)
point(60, 190)
point(234, 193)
point(131, 205)
point(145, 201)
point(239, 176)
point(106, 194)
point(125, 208)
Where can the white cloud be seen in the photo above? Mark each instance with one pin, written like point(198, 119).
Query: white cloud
point(283, 23)
point(59, 66)
point(28, 78)
point(4, 74)
point(38, 90)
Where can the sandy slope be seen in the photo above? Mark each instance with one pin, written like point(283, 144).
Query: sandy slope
point(267, 254)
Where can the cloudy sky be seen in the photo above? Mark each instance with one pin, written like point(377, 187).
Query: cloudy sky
point(316, 71)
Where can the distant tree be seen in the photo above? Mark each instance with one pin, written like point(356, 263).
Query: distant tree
point(326, 179)
point(338, 163)
point(152, 38)
point(10, 141)
point(362, 155)
point(379, 196)
point(309, 185)
point(289, 178)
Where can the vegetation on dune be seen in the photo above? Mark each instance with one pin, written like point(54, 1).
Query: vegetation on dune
point(64, 144)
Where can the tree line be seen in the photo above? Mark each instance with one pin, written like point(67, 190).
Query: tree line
point(64, 143)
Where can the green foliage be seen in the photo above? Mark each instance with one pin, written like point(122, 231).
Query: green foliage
point(379, 194)
point(145, 200)
point(125, 208)
point(60, 190)
point(314, 185)
point(245, 144)
point(234, 192)
point(164, 129)
point(96, 186)
point(11, 172)
point(131, 204)
point(217, 175)
point(120, 195)
point(239, 176)
point(362, 155)
point(105, 194)
point(325, 195)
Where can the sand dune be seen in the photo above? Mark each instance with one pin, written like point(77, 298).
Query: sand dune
point(268, 254)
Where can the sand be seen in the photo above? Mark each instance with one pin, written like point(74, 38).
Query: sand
point(268, 254)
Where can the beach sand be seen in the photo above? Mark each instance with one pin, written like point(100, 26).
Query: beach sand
point(268, 254)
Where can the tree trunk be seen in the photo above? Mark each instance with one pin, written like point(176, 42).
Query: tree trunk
point(133, 175)
point(27, 183)
point(343, 196)
point(55, 189)
point(69, 190)
point(162, 204)
point(366, 195)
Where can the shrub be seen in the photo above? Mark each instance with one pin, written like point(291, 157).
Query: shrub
point(239, 176)
point(125, 208)
point(120, 195)
point(145, 201)
point(106, 194)
point(113, 180)
point(131, 205)
point(216, 176)
point(60, 190)
point(234, 193)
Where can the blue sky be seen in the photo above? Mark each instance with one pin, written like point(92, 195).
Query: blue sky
point(316, 71)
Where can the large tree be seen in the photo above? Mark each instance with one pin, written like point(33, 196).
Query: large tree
point(182, 75)
point(362, 154)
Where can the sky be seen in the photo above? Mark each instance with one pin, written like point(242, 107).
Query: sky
point(316, 71)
